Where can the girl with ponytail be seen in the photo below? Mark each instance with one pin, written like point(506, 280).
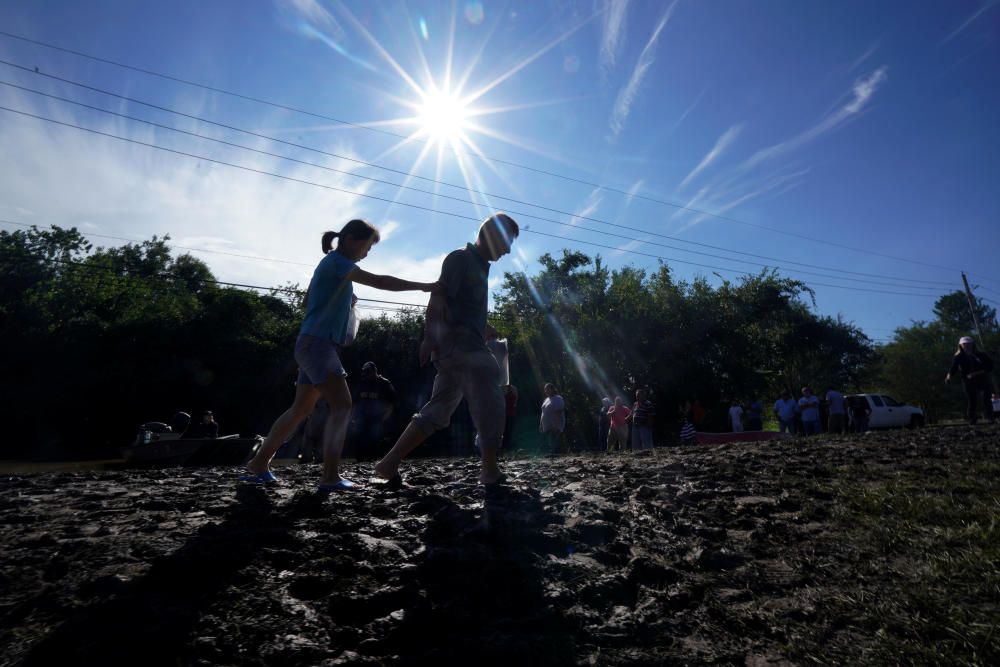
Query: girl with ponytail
point(323, 330)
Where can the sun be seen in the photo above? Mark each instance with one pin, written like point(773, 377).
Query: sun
point(442, 117)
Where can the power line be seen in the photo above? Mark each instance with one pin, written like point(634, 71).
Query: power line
point(172, 245)
point(982, 298)
point(384, 306)
point(519, 214)
point(395, 306)
point(425, 208)
point(473, 154)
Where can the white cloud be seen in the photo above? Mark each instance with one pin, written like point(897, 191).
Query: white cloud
point(864, 89)
point(687, 112)
point(692, 203)
point(722, 202)
point(861, 93)
point(315, 13)
point(69, 177)
point(612, 31)
point(387, 229)
point(720, 146)
point(967, 22)
point(860, 60)
point(209, 242)
point(588, 208)
point(628, 247)
point(627, 95)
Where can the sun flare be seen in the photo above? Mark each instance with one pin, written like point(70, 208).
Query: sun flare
point(442, 117)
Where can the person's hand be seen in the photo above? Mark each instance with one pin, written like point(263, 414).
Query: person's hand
point(427, 347)
point(435, 287)
point(947, 378)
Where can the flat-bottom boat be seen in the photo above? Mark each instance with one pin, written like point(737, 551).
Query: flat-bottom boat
point(170, 449)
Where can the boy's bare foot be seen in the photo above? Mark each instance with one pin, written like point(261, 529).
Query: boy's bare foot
point(492, 479)
point(491, 469)
point(331, 480)
point(491, 473)
point(386, 469)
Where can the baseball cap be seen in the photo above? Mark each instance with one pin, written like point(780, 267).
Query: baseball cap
point(966, 339)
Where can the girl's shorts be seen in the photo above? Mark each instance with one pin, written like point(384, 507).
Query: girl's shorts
point(317, 359)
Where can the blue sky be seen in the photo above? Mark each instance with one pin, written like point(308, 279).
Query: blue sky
point(809, 126)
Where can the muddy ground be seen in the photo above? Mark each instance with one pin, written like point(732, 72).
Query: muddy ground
point(883, 548)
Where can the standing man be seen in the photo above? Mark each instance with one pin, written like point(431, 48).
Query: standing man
point(860, 411)
point(784, 409)
point(736, 416)
point(618, 415)
point(837, 406)
point(809, 407)
point(510, 415)
point(975, 367)
point(374, 402)
point(603, 423)
point(455, 339)
point(643, 413)
point(754, 418)
point(553, 419)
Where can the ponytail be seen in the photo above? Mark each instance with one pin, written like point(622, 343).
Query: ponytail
point(355, 229)
point(328, 241)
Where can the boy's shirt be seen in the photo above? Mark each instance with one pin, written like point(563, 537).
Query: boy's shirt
point(465, 276)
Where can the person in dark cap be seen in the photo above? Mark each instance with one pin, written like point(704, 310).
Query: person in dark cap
point(206, 428)
point(374, 402)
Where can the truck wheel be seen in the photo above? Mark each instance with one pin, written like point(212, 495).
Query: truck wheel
point(916, 421)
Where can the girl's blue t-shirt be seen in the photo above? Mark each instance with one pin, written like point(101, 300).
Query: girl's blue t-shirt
point(330, 295)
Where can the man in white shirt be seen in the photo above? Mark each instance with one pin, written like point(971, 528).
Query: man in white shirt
point(736, 417)
point(553, 419)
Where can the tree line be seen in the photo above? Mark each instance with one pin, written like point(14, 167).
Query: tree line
point(98, 340)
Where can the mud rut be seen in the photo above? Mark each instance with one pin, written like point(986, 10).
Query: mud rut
point(728, 554)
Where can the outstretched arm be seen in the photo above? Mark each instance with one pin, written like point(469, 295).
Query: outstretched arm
point(389, 283)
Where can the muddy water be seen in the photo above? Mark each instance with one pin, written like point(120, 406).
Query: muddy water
point(710, 554)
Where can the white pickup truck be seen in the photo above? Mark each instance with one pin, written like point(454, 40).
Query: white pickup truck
point(887, 412)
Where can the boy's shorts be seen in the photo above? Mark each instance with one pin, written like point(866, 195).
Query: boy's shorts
point(474, 375)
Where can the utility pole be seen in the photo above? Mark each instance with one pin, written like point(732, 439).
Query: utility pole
point(972, 309)
point(979, 330)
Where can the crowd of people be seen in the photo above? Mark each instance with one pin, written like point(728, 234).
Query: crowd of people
point(807, 415)
point(621, 427)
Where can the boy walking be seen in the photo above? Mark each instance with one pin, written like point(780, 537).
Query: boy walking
point(455, 340)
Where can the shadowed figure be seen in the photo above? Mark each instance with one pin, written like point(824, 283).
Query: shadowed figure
point(484, 587)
